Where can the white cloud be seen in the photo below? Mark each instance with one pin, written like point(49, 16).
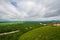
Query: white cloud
point(29, 10)
point(8, 11)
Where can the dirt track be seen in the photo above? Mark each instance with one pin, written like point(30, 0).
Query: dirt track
point(9, 32)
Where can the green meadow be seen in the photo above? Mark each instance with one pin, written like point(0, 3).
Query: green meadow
point(29, 31)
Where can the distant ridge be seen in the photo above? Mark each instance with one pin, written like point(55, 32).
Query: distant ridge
point(3, 21)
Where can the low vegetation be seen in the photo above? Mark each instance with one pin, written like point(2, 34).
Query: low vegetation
point(13, 26)
point(42, 33)
point(28, 31)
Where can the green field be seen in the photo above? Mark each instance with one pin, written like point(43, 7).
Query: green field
point(42, 33)
point(24, 29)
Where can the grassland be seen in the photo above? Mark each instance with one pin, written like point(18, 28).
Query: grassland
point(24, 29)
point(42, 33)
point(13, 26)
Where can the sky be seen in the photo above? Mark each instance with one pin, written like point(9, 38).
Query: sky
point(29, 10)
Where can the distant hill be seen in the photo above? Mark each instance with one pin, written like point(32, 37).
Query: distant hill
point(2, 21)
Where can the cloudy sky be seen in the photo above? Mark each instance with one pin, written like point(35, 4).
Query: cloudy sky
point(29, 10)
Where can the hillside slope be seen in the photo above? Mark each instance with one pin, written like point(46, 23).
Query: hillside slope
point(42, 33)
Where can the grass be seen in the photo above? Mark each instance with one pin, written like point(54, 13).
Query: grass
point(12, 26)
point(13, 36)
point(25, 30)
point(7, 27)
point(42, 33)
